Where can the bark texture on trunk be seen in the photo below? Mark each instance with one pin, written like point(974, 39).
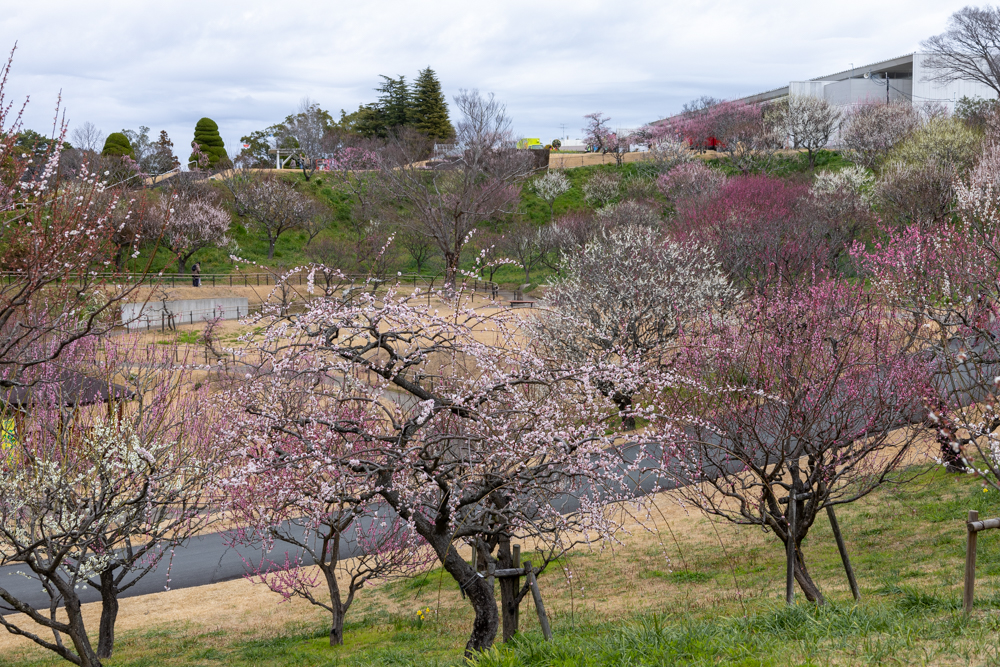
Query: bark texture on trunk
point(450, 269)
point(624, 403)
point(78, 634)
point(484, 604)
point(808, 586)
point(337, 625)
point(109, 614)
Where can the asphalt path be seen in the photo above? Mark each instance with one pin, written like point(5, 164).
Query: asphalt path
point(211, 558)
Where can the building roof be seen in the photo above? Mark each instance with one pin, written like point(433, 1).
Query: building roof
point(899, 63)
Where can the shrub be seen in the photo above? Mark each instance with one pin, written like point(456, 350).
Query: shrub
point(629, 213)
point(872, 130)
point(693, 179)
point(209, 142)
point(602, 189)
point(947, 141)
point(667, 153)
point(118, 144)
point(916, 193)
point(854, 179)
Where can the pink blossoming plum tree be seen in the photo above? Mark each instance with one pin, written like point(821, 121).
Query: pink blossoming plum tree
point(808, 393)
point(454, 425)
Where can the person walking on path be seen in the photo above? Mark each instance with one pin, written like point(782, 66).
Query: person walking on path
point(196, 275)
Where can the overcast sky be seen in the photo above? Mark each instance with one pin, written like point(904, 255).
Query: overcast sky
point(247, 64)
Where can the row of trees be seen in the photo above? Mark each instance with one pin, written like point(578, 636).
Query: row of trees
point(312, 134)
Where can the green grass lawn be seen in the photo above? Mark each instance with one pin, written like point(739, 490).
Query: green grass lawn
point(654, 600)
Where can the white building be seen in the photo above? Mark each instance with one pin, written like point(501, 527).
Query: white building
point(903, 78)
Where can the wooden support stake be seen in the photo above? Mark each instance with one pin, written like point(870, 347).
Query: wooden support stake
point(536, 593)
point(516, 558)
point(843, 553)
point(970, 564)
point(790, 551)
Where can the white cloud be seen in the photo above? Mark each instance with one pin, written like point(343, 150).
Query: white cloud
point(247, 64)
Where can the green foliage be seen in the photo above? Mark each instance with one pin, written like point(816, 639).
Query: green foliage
point(429, 112)
point(35, 144)
point(974, 111)
point(118, 144)
point(946, 141)
point(259, 144)
point(787, 166)
point(206, 135)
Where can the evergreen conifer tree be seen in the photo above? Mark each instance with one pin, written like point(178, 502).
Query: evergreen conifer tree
point(118, 144)
point(394, 102)
point(429, 109)
point(206, 135)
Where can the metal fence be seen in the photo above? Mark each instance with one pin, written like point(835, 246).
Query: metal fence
point(263, 279)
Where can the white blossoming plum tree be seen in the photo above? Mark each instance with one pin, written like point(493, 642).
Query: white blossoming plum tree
point(628, 292)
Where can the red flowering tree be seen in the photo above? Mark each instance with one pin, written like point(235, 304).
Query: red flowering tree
point(761, 229)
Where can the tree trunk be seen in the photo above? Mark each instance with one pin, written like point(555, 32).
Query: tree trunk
point(450, 269)
point(508, 591)
point(624, 403)
point(78, 634)
point(337, 624)
point(270, 246)
point(109, 614)
point(808, 586)
point(487, 621)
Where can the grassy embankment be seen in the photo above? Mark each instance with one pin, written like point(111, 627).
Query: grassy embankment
point(291, 247)
point(681, 590)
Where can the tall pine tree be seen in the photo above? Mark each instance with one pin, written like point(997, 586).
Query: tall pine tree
point(429, 111)
point(394, 102)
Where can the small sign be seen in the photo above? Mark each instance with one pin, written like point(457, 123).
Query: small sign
point(8, 435)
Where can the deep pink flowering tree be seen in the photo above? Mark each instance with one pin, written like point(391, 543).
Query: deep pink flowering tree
point(809, 393)
point(760, 230)
point(749, 134)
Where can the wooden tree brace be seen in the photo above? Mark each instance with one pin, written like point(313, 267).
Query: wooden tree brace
point(972, 527)
point(536, 593)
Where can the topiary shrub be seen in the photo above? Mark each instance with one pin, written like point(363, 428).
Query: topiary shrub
point(118, 144)
point(209, 141)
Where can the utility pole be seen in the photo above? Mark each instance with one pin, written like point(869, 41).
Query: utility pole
point(563, 126)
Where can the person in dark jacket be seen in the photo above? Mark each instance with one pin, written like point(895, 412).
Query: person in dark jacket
point(196, 275)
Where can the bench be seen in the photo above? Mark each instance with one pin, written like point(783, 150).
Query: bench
point(517, 303)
